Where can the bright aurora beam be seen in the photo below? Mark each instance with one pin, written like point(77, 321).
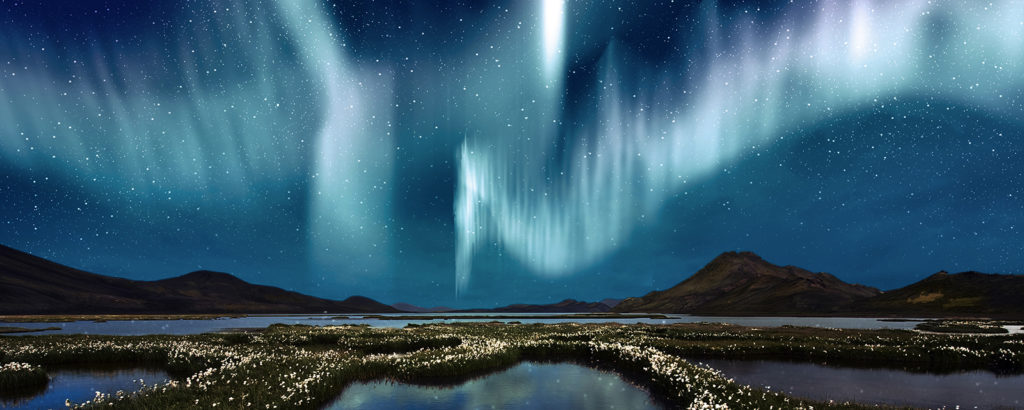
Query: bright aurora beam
point(554, 37)
point(627, 161)
point(353, 148)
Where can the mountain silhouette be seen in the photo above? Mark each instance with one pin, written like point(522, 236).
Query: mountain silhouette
point(33, 285)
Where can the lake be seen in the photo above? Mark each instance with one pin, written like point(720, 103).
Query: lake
point(568, 386)
point(82, 385)
point(968, 390)
point(524, 386)
point(180, 327)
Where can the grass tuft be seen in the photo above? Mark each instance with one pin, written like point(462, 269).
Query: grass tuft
point(16, 377)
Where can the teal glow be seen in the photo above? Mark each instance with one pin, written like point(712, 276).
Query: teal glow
point(241, 111)
point(629, 158)
point(477, 153)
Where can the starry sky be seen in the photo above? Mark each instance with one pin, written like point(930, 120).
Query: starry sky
point(485, 153)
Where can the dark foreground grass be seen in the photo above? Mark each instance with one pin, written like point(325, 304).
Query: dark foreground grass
point(306, 367)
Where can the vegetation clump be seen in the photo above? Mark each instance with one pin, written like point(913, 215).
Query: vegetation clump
point(960, 326)
point(309, 366)
point(16, 377)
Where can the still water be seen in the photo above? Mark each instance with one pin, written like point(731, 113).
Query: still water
point(81, 385)
point(968, 390)
point(525, 386)
point(179, 327)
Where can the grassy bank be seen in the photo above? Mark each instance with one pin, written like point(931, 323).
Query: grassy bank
point(306, 367)
point(15, 329)
point(961, 326)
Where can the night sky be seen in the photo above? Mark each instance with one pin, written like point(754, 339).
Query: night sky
point(480, 154)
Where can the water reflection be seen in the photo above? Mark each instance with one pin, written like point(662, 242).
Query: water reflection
point(968, 390)
point(525, 386)
point(82, 385)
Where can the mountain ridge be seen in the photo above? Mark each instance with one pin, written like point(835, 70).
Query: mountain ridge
point(790, 290)
point(34, 285)
point(967, 293)
point(734, 283)
point(564, 306)
point(742, 283)
point(408, 307)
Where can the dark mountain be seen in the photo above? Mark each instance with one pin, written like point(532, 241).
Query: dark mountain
point(611, 302)
point(406, 307)
point(565, 306)
point(744, 284)
point(946, 295)
point(732, 284)
point(33, 285)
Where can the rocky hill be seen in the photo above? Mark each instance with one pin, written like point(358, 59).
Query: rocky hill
point(744, 284)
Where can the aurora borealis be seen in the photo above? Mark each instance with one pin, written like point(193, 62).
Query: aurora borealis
point(489, 153)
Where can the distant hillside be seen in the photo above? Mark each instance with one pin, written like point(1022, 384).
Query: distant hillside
point(33, 285)
point(406, 307)
point(731, 284)
point(744, 284)
point(565, 306)
point(611, 302)
point(945, 295)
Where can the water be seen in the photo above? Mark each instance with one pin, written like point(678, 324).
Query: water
point(525, 386)
point(969, 390)
point(180, 327)
point(82, 385)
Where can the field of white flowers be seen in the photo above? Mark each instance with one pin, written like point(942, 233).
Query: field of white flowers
point(306, 367)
